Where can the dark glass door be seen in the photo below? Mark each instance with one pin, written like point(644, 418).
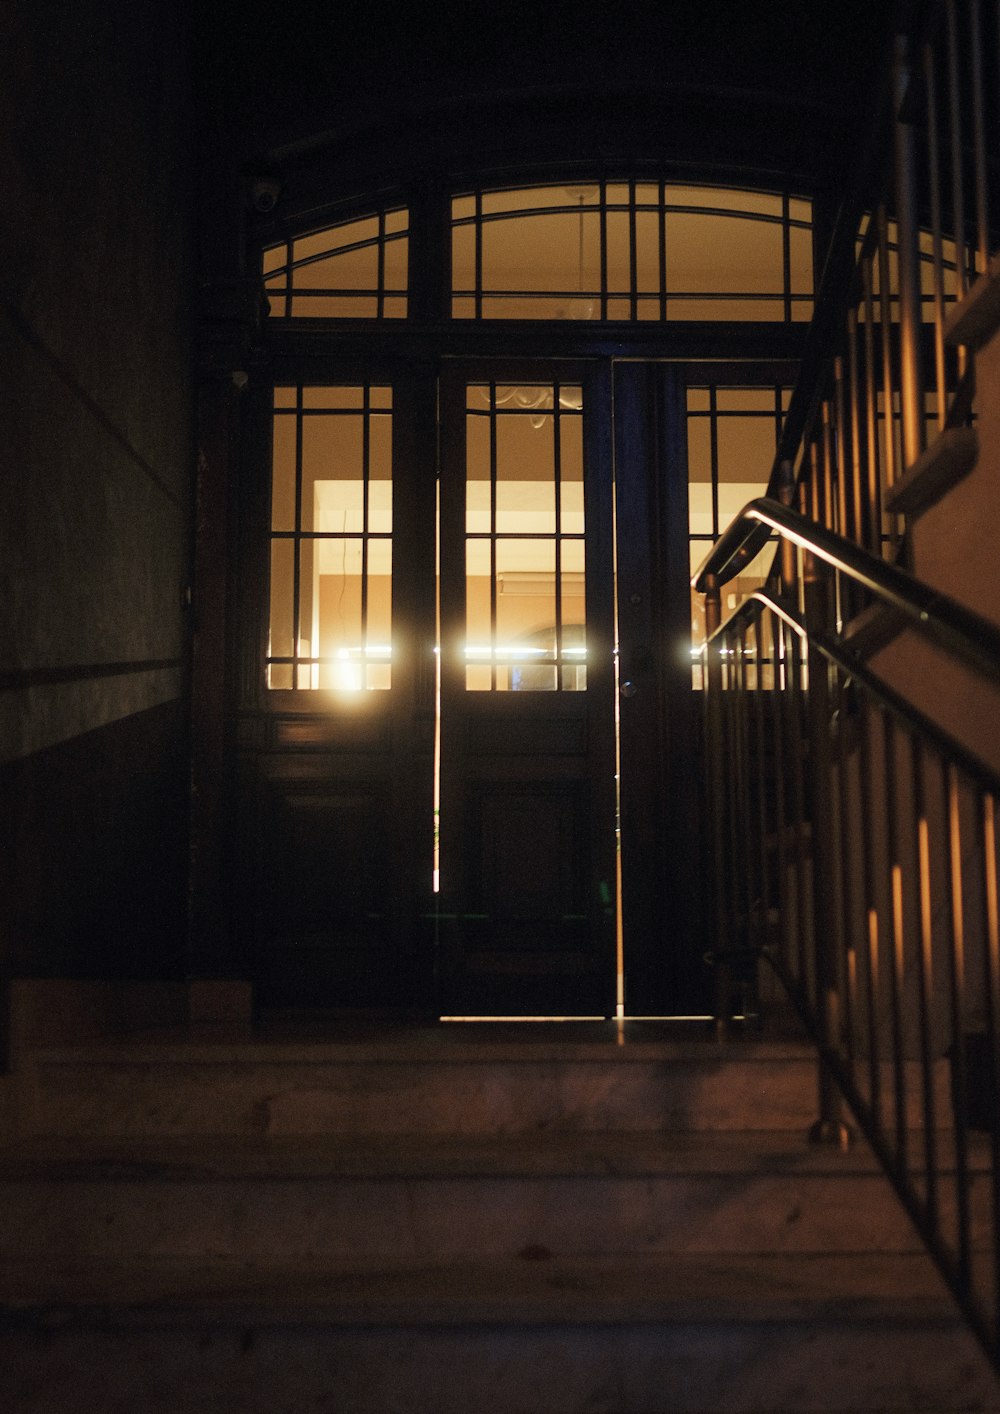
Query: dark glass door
point(438, 733)
point(527, 806)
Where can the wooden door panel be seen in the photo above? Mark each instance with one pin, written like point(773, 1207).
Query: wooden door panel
point(527, 758)
point(333, 859)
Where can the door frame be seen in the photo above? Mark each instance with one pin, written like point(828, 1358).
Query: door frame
point(648, 433)
point(571, 969)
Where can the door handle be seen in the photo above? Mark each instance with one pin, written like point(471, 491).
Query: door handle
point(628, 688)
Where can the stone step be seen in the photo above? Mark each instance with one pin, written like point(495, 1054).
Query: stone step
point(426, 1084)
point(444, 1197)
point(685, 1335)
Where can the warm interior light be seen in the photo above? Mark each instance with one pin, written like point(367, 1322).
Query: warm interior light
point(522, 1018)
point(346, 675)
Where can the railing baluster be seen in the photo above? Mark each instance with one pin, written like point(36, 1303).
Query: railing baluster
point(937, 252)
point(955, 155)
point(885, 310)
point(956, 993)
point(795, 736)
point(992, 983)
point(780, 766)
point(908, 257)
point(856, 511)
point(844, 752)
point(978, 137)
point(873, 499)
point(897, 975)
point(925, 974)
point(872, 915)
point(763, 814)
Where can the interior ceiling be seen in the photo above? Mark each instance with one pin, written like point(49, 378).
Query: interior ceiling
point(277, 78)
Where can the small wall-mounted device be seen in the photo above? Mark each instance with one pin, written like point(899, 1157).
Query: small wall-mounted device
point(264, 194)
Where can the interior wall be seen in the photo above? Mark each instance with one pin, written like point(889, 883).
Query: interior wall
point(95, 341)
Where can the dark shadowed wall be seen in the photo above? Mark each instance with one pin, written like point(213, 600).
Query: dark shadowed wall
point(95, 474)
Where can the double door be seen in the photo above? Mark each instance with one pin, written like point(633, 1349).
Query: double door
point(466, 758)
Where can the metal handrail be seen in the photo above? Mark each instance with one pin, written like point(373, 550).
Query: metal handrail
point(855, 850)
point(941, 619)
point(846, 661)
point(853, 843)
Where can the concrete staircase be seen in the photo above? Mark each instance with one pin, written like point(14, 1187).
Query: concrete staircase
point(521, 1220)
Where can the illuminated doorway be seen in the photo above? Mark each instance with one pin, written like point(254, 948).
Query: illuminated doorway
point(567, 522)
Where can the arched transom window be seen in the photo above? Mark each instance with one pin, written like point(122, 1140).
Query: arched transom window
point(620, 251)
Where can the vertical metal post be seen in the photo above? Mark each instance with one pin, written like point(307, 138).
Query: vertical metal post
point(829, 1127)
point(722, 973)
point(908, 255)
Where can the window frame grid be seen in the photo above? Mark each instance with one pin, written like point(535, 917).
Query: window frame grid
point(380, 293)
point(789, 299)
point(713, 413)
point(305, 663)
point(493, 410)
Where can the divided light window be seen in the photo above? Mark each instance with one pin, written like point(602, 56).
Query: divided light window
point(330, 619)
point(632, 251)
point(354, 270)
point(732, 437)
point(524, 539)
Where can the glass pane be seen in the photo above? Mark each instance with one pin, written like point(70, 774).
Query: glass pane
point(283, 474)
point(379, 507)
point(571, 487)
point(801, 254)
point(745, 399)
point(284, 397)
point(463, 258)
point(333, 473)
point(274, 258)
point(479, 637)
point(725, 199)
point(699, 430)
point(525, 470)
point(334, 632)
point(333, 397)
point(478, 491)
point(282, 591)
point(746, 448)
point(380, 474)
point(733, 496)
point(396, 266)
point(528, 198)
point(723, 254)
point(619, 253)
point(526, 611)
point(353, 270)
point(379, 635)
point(542, 253)
point(647, 251)
point(334, 237)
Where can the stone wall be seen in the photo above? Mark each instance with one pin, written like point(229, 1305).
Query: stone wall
point(95, 521)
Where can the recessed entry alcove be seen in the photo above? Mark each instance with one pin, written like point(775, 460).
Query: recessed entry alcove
point(494, 432)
